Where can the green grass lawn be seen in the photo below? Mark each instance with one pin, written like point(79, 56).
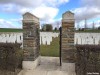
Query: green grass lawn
point(51, 50)
point(10, 30)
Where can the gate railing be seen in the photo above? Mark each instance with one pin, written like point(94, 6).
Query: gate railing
point(60, 44)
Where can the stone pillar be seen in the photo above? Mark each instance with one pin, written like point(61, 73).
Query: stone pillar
point(68, 49)
point(30, 41)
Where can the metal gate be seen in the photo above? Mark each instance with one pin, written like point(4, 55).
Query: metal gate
point(60, 45)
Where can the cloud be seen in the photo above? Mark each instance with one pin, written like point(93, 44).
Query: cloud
point(57, 23)
point(55, 2)
point(23, 3)
point(46, 10)
point(6, 24)
point(45, 13)
point(9, 8)
point(86, 13)
point(34, 3)
point(93, 3)
point(89, 9)
point(9, 24)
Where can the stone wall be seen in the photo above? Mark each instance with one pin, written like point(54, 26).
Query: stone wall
point(30, 37)
point(30, 17)
point(68, 37)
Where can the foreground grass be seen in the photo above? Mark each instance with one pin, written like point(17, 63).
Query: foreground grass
point(51, 50)
point(10, 30)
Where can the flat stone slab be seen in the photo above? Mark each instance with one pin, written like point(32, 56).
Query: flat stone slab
point(38, 72)
point(32, 72)
point(59, 73)
point(48, 66)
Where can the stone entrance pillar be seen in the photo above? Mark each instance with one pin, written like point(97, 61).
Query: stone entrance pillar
point(30, 41)
point(68, 49)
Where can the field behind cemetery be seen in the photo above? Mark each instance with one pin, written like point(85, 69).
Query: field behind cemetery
point(10, 30)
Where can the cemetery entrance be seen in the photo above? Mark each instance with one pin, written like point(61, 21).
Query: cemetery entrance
point(58, 46)
point(50, 46)
point(36, 53)
point(59, 56)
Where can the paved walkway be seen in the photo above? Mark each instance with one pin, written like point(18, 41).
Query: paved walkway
point(48, 66)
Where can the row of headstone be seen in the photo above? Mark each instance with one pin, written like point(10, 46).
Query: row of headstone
point(46, 38)
point(87, 38)
point(11, 37)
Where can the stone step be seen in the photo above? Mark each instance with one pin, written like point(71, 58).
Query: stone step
point(39, 72)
